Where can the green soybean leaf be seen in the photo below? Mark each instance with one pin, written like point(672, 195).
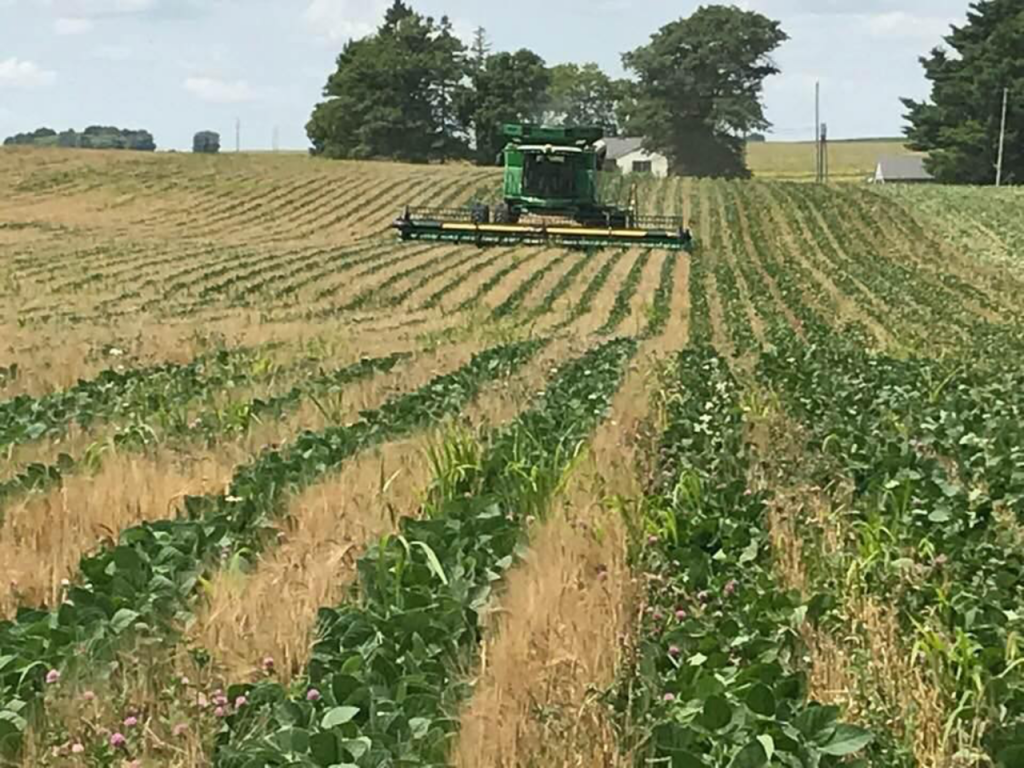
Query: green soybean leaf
point(717, 713)
point(847, 740)
point(761, 701)
point(768, 743)
point(338, 716)
point(123, 619)
point(751, 756)
point(324, 748)
point(1011, 757)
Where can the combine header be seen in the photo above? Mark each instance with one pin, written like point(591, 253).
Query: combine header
point(550, 197)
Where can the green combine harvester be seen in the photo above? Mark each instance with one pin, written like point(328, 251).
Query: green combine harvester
point(550, 197)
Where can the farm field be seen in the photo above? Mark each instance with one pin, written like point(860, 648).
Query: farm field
point(794, 160)
point(279, 490)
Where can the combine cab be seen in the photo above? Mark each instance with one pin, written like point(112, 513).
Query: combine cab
point(550, 197)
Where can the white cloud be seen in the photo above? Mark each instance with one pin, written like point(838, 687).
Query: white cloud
point(901, 24)
point(16, 73)
point(72, 26)
point(344, 19)
point(220, 91)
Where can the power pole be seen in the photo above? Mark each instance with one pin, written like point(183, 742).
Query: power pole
point(824, 152)
point(1002, 138)
point(817, 134)
point(238, 134)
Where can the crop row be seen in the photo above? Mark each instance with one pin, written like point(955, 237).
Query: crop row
point(145, 585)
point(620, 308)
point(386, 672)
point(932, 449)
point(116, 393)
point(718, 677)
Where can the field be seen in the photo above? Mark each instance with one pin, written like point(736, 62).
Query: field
point(281, 490)
point(794, 161)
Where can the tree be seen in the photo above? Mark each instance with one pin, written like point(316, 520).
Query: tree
point(479, 50)
point(93, 137)
point(700, 82)
point(583, 95)
point(206, 142)
point(393, 94)
point(960, 125)
point(510, 87)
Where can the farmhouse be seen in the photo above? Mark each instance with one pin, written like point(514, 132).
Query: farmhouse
point(902, 169)
point(628, 156)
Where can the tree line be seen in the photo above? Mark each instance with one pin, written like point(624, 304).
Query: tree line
point(982, 68)
point(93, 137)
point(413, 91)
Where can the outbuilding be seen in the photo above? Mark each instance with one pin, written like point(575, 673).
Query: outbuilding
point(902, 169)
point(627, 155)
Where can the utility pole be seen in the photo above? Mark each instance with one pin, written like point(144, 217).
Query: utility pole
point(238, 134)
point(817, 134)
point(1002, 138)
point(824, 152)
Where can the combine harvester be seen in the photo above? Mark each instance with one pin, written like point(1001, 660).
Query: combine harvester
point(550, 198)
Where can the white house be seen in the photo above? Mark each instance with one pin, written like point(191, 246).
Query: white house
point(628, 156)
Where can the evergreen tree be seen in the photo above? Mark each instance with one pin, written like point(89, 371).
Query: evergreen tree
point(960, 125)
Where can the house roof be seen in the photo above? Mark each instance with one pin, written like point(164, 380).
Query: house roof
point(903, 168)
point(622, 146)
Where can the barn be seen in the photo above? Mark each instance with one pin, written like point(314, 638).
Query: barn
point(902, 169)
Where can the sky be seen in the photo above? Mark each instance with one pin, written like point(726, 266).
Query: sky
point(175, 67)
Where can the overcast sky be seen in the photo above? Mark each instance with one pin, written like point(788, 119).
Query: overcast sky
point(178, 66)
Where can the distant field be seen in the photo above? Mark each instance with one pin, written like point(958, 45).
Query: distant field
point(848, 160)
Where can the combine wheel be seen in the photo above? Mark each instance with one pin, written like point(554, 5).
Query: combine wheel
point(481, 214)
point(503, 214)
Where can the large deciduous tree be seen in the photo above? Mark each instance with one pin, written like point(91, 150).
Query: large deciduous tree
point(699, 87)
point(509, 87)
point(960, 125)
point(583, 95)
point(393, 94)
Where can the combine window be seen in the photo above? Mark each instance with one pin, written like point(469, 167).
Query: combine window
point(642, 166)
point(549, 176)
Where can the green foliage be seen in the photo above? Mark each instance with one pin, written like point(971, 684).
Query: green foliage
point(145, 584)
point(207, 142)
point(959, 126)
point(699, 88)
point(393, 93)
point(933, 452)
point(387, 667)
point(508, 88)
point(718, 679)
point(583, 95)
point(93, 137)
